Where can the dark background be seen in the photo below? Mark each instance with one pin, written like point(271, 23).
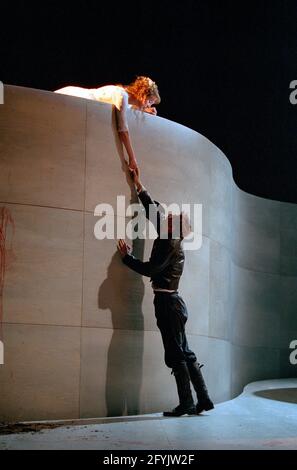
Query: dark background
point(223, 68)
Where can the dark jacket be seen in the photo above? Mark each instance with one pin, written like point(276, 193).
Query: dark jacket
point(166, 262)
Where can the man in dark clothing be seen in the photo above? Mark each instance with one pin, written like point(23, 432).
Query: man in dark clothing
point(165, 268)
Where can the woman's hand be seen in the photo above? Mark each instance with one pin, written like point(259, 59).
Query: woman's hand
point(133, 165)
point(136, 179)
point(123, 248)
point(151, 110)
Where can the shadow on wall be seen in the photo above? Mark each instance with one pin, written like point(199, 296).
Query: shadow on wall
point(122, 293)
point(125, 352)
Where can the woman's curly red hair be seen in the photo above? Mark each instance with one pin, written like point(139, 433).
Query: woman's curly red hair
point(143, 88)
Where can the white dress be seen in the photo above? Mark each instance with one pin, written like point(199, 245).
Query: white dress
point(111, 94)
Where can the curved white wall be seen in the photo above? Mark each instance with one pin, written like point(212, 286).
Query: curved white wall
point(79, 329)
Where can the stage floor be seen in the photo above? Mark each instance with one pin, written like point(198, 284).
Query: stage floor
point(263, 417)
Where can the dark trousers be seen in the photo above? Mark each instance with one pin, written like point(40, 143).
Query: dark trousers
point(171, 314)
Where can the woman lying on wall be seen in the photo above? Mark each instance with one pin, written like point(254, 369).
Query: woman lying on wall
point(141, 94)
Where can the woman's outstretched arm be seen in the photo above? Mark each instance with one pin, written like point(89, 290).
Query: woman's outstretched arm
point(123, 130)
point(126, 141)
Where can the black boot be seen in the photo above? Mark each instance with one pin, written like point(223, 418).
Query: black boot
point(186, 403)
point(204, 402)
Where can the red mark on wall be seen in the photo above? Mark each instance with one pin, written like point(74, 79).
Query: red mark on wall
point(6, 251)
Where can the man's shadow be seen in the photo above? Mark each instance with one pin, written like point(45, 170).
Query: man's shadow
point(122, 293)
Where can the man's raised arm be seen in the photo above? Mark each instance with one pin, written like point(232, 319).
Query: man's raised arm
point(152, 211)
